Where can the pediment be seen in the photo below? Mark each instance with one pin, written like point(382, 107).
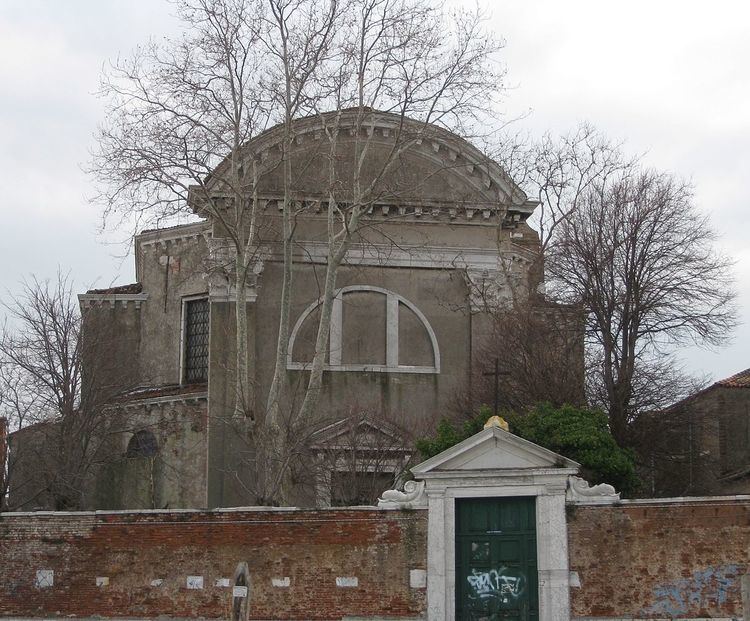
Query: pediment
point(493, 449)
point(362, 433)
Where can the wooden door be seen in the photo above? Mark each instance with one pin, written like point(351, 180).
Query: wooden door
point(496, 574)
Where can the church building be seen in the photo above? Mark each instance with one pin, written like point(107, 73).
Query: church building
point(446, 233)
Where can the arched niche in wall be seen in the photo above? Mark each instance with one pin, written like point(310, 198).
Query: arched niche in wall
point(142, 444)
point(372, 329)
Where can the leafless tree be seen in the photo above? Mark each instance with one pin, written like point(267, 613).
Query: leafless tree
point(184, 114)
point(537, 346)
point(176, 111)
point(43, 395)
point(537, 340)
point(405, 59)
point(640, 258)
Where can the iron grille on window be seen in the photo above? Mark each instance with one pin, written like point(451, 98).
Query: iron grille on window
point(196, 341)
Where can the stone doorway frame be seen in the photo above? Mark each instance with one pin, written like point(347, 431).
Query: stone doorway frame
point(485, 466)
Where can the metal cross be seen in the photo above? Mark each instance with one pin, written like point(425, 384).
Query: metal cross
point(496, 374)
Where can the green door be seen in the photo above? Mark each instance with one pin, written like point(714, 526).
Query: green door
point(496, 574)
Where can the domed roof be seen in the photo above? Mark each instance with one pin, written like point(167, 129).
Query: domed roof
point(379, 157)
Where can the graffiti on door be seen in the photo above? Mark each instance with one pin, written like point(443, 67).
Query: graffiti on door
point(503, 585)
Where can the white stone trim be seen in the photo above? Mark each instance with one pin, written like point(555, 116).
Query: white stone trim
point(453, 474)
point(179, 233)
point(581, 492)
point(551, 535)
point(550, 463)
point(415, 256)
point(336, 335)
point(86, 300)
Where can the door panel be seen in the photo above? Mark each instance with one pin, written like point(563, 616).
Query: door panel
point(496, 575)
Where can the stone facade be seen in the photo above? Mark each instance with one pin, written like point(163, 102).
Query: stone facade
point(447, 234)
point(148, 453)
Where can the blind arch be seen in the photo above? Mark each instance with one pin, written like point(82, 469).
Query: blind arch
point(336, 337)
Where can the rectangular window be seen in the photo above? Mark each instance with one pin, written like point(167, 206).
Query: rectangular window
point(196, 341)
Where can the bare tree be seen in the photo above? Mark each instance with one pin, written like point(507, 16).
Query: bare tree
point(186, 128)
point(180, 113)
point(537, 341)
point(405, 59)
point(42, 389)
point(640, 258)
point(537, 347)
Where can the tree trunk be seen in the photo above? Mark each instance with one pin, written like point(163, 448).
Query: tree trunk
point(242, 405)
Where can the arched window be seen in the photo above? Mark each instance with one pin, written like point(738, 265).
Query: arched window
point(372, 329)
point(142, 444)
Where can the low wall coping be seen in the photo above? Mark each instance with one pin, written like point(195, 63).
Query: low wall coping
point(677, 500)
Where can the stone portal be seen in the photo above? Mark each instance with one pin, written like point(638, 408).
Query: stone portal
point(497, 535)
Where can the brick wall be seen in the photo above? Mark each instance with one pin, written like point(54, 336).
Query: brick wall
point(640, 559)
point(660, 559)
point(309, 547)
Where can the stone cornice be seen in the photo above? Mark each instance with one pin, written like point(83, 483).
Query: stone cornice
point(135, 402)
point(175, 234)
point(87, 300)
point(413, 256)
point(411, 210)
point(432, 141)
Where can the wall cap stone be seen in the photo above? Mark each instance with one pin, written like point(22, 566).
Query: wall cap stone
point(677, 500)
point(219, 511)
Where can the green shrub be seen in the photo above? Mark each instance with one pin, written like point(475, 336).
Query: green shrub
point(578, 433)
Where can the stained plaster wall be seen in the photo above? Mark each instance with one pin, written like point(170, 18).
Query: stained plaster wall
point(410, 400)
point(169, 270)
point(175, 477)
point(111, 338)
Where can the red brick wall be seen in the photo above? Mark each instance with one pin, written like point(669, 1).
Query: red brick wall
point(310, 547)
point(646, 559)
point(667, 559)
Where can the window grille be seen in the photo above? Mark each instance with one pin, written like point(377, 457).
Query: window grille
point(196, 341)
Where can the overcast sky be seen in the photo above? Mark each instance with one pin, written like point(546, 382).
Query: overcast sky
point(671, 78)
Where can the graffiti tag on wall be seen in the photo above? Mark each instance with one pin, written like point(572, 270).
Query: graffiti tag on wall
point(688, 596)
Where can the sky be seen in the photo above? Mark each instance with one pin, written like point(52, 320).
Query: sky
point(669, 78)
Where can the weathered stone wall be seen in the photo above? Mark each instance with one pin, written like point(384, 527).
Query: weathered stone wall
point(170, 270)
point(173, 478)
point(295, 559)
point(661, 559)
